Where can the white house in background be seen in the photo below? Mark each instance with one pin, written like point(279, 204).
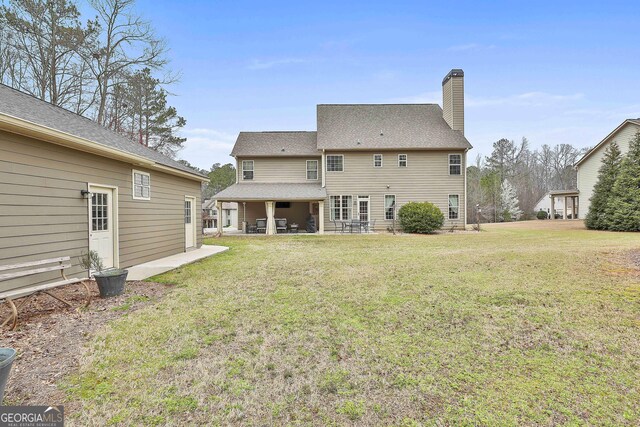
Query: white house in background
point(210, 214)
point(544, 204)
point(589, 165)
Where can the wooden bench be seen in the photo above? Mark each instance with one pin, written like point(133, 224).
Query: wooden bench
point(14, 271)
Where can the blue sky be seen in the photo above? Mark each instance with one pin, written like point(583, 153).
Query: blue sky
point(555, 72)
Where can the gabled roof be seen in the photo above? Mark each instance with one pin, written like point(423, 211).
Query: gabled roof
point(278, 144)
point(259, 191)
point(606, 138)
point(18, 111)
point(386, 126)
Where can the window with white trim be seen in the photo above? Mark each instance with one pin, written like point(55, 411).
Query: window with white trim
point(455, 164)
point(341, 208)
point(335, 163)
point(389, 206)
point(141, 185)
point(247, 170)
point(454, 206)
point(377, 160)
point(312, 169)
point(402, 160)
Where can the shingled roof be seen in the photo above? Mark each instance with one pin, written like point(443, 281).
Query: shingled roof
point(28, 108)
point(386, 126)
point(246, 191)
point(276, 144)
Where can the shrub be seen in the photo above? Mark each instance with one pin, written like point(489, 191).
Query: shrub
point(542, 214)
point(602, 192)
point(623, 207)
point(420, 218)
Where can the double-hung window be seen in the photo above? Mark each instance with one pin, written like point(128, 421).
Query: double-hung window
point(247, 170)
point(454, 206)
point(389, 206)
point(141, 185)
point(341, 208)
point(377, 160)
point(402, 160)
point(312, 169)
point(335, 163)
point(455, 164)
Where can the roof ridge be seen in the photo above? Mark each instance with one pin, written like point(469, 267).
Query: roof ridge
point(278, 131)
point(374, 104)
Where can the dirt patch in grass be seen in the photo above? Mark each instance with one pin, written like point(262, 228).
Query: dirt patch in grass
point(51, 337)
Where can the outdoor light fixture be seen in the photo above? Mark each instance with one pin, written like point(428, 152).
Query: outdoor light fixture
point(85, 194)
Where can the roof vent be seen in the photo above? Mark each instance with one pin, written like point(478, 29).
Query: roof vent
point(381, 133)
point(358, 142)
point(282, 149)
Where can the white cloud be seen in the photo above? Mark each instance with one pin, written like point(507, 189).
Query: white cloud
point(532, 99)
point(259, 64)
point(204, 147)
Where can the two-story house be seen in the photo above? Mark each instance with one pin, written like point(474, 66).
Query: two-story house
point(363, 162)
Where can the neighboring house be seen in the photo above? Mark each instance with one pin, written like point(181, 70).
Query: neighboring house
point(210, 214)
point(589, 165)
point(68, 185)
point(364, 162)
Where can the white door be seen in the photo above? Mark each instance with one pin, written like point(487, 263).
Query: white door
point(189, 222)
point(363, 208)
point(101, 224)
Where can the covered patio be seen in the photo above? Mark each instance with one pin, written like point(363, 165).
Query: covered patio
point(569, 195)
point(272, 208)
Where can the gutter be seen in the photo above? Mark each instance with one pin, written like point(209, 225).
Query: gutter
point(43, 133)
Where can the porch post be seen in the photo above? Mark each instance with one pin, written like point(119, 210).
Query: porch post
point(553, 207)
point(564, 208)
point(271, 222)
point(574, 211)
point(321, 217)
point(219, 218)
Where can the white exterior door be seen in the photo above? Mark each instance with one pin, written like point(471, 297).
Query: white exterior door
point(101, 224)
point(189, 222)
point(363, 208)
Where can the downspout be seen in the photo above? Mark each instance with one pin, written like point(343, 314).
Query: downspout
point(324, 178)
point(465, 188)
point(237, 169)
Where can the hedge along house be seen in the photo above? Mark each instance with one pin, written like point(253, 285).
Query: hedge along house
point(69, 185)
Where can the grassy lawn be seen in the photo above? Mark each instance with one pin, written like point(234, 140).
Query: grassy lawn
point(522, 324)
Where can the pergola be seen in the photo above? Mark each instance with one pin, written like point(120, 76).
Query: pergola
point(572, 195)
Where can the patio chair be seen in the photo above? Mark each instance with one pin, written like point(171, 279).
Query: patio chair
point(336, 227)
point(371, 226)
point(261, 225)
point(281, 225)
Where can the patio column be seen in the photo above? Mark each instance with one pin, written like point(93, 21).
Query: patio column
point(553, 207)
point(271, 221)
point(219, 218)
point(564, 208)
point(321, 217)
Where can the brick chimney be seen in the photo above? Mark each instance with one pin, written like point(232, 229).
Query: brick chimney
point(453, 99)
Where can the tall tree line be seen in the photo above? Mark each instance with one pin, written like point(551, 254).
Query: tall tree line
point(527, 173)
point(104, 68)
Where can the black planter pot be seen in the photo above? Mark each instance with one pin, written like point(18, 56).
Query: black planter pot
point(111, 282)
point(6, 360)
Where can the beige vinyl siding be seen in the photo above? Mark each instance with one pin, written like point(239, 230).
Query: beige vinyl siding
point(280, 169)
point(426, 178)
point(453, 103)
point(42, 214)
point(588, 170)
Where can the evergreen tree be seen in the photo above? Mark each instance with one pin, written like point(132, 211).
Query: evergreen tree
point(596, 218)
point(623, 208)
point(509, 202)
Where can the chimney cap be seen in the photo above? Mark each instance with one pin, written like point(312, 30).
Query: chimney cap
point(456, 72)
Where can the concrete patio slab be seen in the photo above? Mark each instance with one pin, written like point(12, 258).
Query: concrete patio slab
point(162, 265)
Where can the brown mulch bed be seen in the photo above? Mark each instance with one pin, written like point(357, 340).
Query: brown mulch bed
point(50, 337)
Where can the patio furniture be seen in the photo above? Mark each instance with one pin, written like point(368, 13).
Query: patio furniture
point(261, 225)
point(252, 229)
point(293, 228)
point(338, 225)
point(371, 225)
point(281, 225)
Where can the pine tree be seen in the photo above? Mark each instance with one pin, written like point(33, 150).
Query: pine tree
point(509, 198)
point(623, 208)
point(596, 218)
